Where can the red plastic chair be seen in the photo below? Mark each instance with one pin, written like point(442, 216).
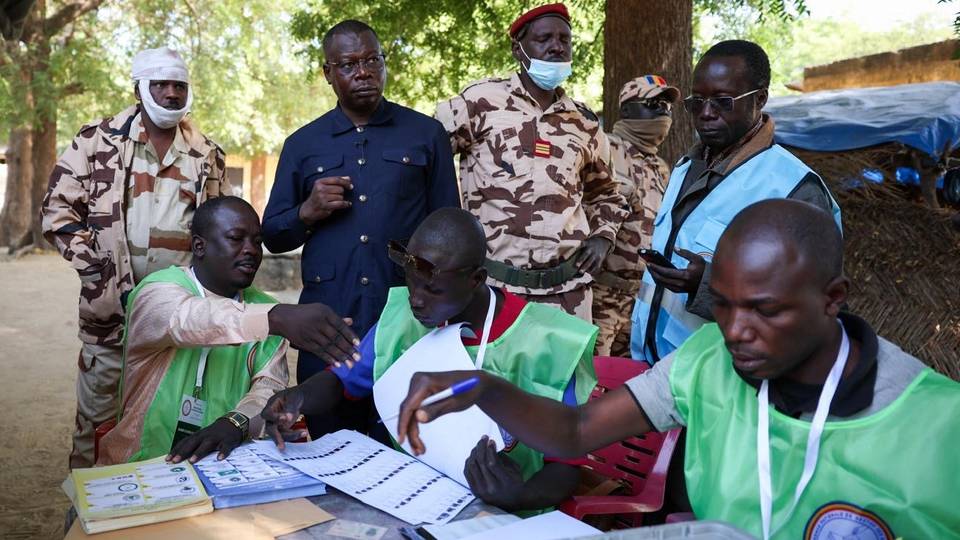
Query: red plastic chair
point(640, 463)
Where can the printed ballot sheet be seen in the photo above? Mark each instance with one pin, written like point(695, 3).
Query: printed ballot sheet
point(245, 466)
point(379, 476)
point(450, 438)
point(135, 488)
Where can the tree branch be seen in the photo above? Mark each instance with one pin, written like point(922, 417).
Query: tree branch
point(70, 12)
point(72, 89)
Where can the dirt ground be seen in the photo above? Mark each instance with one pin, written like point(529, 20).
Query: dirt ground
point(38, 332)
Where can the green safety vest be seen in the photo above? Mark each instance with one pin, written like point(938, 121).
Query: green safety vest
point(226, 379)
point(540, 352)
point(894, 473)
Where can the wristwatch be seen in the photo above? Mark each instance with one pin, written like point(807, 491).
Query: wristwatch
point(240, 421)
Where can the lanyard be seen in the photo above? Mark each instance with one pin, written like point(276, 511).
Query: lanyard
point(487, 325)
point(813, 439)
point(202, 365)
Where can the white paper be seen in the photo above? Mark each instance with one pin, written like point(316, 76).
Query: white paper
point(450, 438)
point(550, 526)
point(466, 527)
point(379, 476)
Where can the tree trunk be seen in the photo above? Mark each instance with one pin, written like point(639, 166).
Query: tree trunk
point(649, 37)
point(16, 218)
point(258, 189)
point(44, 156)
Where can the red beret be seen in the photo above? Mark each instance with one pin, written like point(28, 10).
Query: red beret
point(557, 9)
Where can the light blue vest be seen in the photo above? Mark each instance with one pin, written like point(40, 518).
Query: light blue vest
point(771, 174)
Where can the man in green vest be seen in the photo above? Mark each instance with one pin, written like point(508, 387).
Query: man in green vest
point(802, 422)
point(538, 347)
point(204, 350)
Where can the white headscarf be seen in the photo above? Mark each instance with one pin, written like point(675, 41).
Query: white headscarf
point(161, 64)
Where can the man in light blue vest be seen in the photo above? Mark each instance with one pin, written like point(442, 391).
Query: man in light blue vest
point(736, 163)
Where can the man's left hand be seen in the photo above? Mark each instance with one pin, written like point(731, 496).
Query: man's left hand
point(221, 436)
point(493, 477)
point(686, 280)
point(591, 254)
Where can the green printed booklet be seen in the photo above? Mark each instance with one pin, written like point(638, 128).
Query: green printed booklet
point(133, 494)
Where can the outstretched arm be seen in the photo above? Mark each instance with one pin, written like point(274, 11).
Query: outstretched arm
point(541, 423)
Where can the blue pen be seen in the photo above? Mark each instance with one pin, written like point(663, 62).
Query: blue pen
point(463, 386)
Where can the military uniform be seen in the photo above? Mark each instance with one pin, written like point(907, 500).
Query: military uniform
point(641, 178)
point(641, 181)
point(115, 211)
point(539, 183)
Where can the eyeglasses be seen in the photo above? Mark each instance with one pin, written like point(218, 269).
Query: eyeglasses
point(372, 64)
point(420, 267)
point(634, 108)
point(695, 105)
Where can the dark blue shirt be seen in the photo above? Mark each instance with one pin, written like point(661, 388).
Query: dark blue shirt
point(401, 168)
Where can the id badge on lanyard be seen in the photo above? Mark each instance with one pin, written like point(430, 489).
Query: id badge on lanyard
point(813, 439)
point(191, 406)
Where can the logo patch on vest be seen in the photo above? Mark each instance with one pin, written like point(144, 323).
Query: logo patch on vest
point(844, 521)
point(508, 441)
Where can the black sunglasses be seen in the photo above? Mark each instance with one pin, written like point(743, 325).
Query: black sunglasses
point(423, 268)
point(695, 105)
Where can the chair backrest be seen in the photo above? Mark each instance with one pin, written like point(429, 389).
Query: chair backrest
point(633, 459)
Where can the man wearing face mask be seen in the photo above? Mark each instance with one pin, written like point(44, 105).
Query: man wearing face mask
point(118, 207)
point(645, 117)
point(533, 170)
point(735, 163)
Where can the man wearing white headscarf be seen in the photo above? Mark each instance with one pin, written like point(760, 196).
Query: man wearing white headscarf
point(118, 207)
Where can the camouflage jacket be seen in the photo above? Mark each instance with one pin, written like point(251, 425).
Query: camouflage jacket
point(538, 180)
point(641, 179)
point(83, 214)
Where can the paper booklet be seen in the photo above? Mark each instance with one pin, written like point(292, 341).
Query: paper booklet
point(450, 438)
point(382, 477)
point(132, 494)
point(249, 476)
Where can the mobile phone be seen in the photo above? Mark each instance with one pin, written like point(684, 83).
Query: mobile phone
point(653, 256)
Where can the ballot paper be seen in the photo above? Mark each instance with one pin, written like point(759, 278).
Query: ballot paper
point(376, 475)
point(249, 476)
point(450, 438)
point(550, 526)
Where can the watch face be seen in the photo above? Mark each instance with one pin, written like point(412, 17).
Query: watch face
point(240, 419)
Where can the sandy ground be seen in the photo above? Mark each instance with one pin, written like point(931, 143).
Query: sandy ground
point(38, 329)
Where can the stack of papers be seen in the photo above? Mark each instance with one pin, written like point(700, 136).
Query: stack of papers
point(132, 494)
point(249, 476)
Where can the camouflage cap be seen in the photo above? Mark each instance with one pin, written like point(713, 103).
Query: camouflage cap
point(648, 86)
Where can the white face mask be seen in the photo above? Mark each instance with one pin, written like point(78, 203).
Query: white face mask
point(547, 75)
point(163, 118)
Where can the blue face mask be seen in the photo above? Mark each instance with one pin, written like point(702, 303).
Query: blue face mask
point(547, 75)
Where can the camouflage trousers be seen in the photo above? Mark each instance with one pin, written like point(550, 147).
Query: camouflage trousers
point(97, 402)
point(577, 302)
point(611, 313)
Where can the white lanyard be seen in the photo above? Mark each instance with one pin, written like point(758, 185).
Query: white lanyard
point(487, 325)
point(813, 439)
point(204, 352)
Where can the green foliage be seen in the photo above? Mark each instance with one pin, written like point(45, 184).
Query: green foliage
point(436, 48)
point(805, 41)
point(250, 89)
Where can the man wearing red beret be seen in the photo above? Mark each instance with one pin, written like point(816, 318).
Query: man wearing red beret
point(533, 170)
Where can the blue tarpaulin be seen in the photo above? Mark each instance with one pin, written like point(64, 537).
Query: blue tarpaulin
point(924, 116)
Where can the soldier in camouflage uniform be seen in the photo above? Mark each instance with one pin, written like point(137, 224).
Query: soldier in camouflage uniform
point(533, 170)
point(118, 207)
point(645, 107)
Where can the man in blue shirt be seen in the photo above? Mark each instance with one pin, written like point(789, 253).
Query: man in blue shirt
point(362, 174)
